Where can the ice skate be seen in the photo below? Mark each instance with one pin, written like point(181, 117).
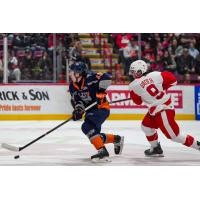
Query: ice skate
point(154, 151)
point(102, 155)
point(118, 144)
point(198, 145)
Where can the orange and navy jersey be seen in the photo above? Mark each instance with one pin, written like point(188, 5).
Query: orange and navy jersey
point(89, 88)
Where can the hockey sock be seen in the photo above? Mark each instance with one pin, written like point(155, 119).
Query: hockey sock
point(187, 140)
point(109, 138)
point(153, 139)
point(151, 135)
point(191, 142)
point(97, 142)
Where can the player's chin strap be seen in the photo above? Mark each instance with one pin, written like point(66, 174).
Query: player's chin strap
point(14, 148)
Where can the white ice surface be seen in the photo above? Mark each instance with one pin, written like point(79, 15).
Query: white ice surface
point(68, 146)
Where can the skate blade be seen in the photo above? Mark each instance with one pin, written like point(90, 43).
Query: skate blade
point(103, 160)
point(155, 156)
point(121, 145)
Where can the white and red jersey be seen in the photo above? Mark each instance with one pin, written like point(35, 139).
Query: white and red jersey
point(151, 90)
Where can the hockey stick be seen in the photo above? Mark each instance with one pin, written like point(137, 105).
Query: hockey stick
point(14, 148)
point(117, 101)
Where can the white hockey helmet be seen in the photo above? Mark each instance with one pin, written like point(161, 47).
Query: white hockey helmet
point(138, 68)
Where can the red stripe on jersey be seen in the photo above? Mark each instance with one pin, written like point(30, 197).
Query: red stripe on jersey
point(152, 137)
point(136, 98)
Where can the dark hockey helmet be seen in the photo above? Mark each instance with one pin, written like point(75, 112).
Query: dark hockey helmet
point(79, 67)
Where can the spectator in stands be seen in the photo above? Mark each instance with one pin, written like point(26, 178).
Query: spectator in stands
point(147, 59)
point(165, 42)
point(153, 40)
point(122, 41)
point(75, 51)
point(14, 72)
point(1, 36)
point(12, 58)
point(172, 47)
point(175, 49)
point(157, 65)
point(148, 51)
point(17, 40)
point(74, 36)
point(39, 42)
point(112, 38)
point(64, 62)
point(129, 55)
point(44, 67)
point(158, 50)
point(10, 36)
point(28, 65)
point(168, 62)
point(185, 65)
point(193, 51)
point(68, 39)
point(197, 66)
point(134, 44)
point(171, 36)
point(59, 38)
point(1, 70)
point(150, 37)
point(184, 40)
point(51, 42)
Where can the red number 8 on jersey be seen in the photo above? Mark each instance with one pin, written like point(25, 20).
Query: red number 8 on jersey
point(154, 92)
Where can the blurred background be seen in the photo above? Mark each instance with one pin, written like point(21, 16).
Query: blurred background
point(46, 57)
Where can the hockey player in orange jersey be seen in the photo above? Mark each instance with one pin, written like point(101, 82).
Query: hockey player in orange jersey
point(151, 88)
point(86, 88)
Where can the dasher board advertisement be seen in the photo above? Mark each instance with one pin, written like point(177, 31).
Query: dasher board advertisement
point(183, 97)
point(52, 102)
point(33, 101)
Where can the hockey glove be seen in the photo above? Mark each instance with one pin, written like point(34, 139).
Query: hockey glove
point(78, 112)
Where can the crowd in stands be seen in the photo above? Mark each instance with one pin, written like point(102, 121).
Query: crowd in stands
point(175, 52)
point(30, 55)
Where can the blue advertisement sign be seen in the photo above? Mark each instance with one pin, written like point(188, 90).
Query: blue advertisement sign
point(197, 102)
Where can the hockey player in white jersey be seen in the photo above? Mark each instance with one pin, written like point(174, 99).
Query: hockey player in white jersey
point(151, 88)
